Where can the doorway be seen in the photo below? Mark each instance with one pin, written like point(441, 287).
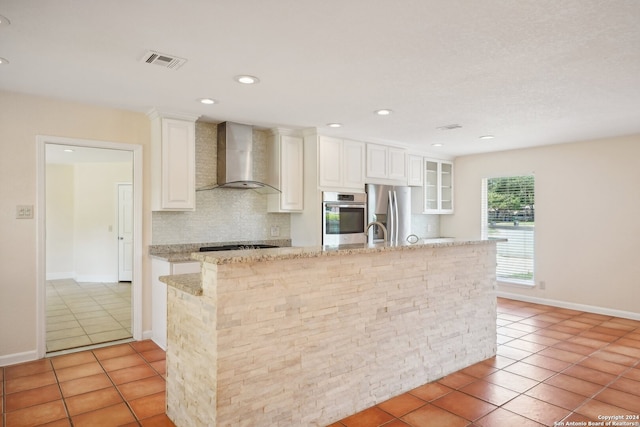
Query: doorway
point(89, 243)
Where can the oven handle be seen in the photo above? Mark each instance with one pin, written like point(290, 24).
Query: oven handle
point(342, 205)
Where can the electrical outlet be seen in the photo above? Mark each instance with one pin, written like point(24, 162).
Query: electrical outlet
point(275, 231)
point(24, 211)
point(543, 284)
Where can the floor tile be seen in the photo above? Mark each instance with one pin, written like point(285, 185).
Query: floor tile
point(511, 381)
point(430, 415)
point(627, 385)
point(153, 355)
point(619, 398)
point(431, 391)
point(136, 389)
point(401, 405)
point(115, 415)
point(513, 353)
point(29, 368)
point(85, 385)
point(32, 397)
point(565, 356)
point(479, 370)
point(73, 359)
point(122, 362)
point(530, 371)
point(456, 380)
point(633, 374)
point(92, 401)
point(36, 415)
point(575, 385)
point(148, 406)
point(545, 362)
point(67, 343)
point(160, 366)
point(589, 374)
point(114, 351)
point(537, 410)
point(489, 392)
point(164, 421)
point(132, 373)
point(603, 366)
point(29, 382)
point(464, 405)
point(372, 417)
point(594, 409)
point(559, 397)
point(522, 344)
point(79, 371)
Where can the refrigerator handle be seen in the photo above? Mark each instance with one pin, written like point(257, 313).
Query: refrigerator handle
point(393, 210)
point(391, 218)
point(396, 222)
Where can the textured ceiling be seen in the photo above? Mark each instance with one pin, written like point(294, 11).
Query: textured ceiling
point(530, 72)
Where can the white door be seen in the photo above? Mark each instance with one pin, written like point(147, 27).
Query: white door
point(125, 232)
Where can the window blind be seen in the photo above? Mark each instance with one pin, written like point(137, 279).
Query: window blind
point(509, 213)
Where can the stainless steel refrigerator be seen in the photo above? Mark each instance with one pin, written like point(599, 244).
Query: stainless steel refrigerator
point(391, 206)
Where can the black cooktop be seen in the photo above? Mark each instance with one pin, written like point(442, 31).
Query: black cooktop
point(234, 247)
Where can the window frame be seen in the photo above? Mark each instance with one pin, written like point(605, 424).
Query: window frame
point(485, 227)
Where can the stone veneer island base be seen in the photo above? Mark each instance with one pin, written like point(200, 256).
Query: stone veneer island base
point(307, 336)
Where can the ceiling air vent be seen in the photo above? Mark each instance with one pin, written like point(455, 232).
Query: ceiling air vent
point(164, 60)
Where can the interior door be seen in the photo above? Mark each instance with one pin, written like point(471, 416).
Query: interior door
point(125, 232)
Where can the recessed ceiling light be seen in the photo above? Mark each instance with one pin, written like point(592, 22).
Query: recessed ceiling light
point(334, 125)
point(487, 137)
point(383, 112)
point(3, 61)
point(207, 101)
point(437, 144)
point(68, 150)
point(247, 80)
point(4, 20)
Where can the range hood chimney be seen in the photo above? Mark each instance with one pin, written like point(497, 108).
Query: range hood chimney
point(235, 159)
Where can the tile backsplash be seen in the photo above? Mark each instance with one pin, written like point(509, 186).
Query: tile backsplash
point(223, 215)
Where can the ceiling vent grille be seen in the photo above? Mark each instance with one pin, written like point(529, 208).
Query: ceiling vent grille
point(163, 60)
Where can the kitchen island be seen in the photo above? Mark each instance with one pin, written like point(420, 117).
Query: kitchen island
point(307, 336)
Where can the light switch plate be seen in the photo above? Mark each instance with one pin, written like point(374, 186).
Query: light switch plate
point(24, 212)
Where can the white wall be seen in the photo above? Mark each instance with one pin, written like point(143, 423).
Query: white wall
point(60, 217)
point(22, 118)
point(587, 225)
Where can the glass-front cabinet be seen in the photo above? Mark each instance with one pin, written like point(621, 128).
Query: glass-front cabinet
point(437, 193)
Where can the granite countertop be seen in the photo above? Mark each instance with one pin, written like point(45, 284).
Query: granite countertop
point(258, 255)
point(192, 283)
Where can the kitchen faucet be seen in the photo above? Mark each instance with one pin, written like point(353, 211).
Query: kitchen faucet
point(379, 224)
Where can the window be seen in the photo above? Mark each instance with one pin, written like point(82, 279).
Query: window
point(509, 213)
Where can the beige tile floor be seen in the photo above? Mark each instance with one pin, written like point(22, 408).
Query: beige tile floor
point(81, 314)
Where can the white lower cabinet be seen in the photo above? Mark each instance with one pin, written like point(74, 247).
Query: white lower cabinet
point(159, 295)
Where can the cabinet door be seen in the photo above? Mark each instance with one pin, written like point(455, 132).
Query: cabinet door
point(446, 187)
point(330, 161)
point(291, 173)
point(396, 166)
point(159, 302)
point(431, 185)
point(377, 161)
point(353, 164)
point(178, 164)
point(415, 174)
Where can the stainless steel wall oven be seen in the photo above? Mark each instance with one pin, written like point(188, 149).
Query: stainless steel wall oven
point(344, 218)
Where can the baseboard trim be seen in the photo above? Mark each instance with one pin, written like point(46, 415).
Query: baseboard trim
point(12, 359)
point(571, 305)
point(96, 278)
point(146, 335)
point(61, 275)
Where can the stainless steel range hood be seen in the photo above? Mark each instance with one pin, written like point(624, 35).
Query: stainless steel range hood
point(235, 159)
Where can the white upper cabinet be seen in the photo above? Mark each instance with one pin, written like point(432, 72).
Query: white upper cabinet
point(385, 163)
point(286, 157)
point(436, 197)
point(340, 164)
point(415, 172)
point(173, 158)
